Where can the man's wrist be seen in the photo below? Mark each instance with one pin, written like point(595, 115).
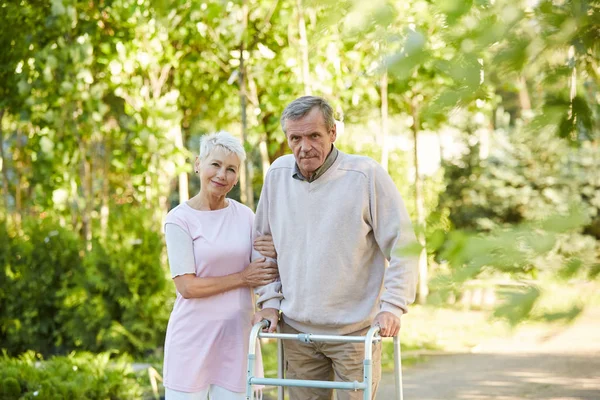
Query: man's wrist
point(387, 307)
point(271, 303)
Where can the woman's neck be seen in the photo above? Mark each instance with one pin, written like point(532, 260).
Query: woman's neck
point(204, 202)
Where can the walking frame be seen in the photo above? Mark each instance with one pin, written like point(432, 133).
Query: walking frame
point(371, 337)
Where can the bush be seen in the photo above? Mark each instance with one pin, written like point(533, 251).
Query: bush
point(55, 297)
point(121, 297)
point(76, 376)
point(38, 267)
point(526, 178)
point(530, 210)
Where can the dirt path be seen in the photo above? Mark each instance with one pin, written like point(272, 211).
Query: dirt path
point(534, 364)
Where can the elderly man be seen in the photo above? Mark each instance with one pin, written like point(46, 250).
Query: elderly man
point(335, 219)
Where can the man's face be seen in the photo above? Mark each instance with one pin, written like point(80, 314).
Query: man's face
point(310, 141)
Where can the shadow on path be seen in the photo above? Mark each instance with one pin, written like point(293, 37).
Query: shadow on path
point(501, 376)
point(537, 363)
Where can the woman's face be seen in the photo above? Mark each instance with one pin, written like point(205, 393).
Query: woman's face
point(219, 171)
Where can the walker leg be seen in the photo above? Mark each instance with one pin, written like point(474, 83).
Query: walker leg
point(398, 368)
point(252, 356)
point(368, 380)
point(249, 388)
point(368, 362)
point(280, 370)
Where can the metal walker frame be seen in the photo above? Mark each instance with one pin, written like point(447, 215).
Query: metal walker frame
point(371, 337)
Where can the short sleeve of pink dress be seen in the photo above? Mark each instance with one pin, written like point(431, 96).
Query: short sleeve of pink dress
point(207, 338)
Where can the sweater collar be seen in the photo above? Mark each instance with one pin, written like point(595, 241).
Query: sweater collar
point(331, 157)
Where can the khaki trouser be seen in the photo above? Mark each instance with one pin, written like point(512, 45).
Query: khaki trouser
point(324, 361)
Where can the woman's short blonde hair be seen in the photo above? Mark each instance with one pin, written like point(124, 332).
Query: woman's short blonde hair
point(222, 139)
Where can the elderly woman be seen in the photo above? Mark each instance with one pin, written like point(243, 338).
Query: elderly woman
point(209, 245)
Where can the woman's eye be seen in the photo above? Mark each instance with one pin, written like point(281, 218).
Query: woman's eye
point(231, 169)
point(215, 164)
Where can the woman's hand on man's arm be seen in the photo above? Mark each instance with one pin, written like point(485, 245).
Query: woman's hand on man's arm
point(260, 272)
point(264, 245)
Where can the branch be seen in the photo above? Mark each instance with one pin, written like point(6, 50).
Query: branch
point(266, 23)
point(157, 84)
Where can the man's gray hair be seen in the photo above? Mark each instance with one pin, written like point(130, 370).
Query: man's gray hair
point(303, 105)
point(222, 139)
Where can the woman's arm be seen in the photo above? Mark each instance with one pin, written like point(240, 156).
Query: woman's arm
point(180, 251)
point(259, 272)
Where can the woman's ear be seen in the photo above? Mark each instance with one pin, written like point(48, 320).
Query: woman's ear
point(197, 165)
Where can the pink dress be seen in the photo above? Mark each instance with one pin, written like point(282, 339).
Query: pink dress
point(207, 338)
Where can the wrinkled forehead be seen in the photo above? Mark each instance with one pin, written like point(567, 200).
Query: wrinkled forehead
point(307, 124)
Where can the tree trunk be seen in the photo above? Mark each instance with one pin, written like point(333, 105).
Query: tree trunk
point(524, 99)
point(86, 183)
point(105, 195)
point(246, 192)
point(303, 48)
point(572, 80)
point(4, 167)
point(264, 156)
point(18, 170)
point(184, 191)
point(423, 289)
point(385, 149)
point(440, 146)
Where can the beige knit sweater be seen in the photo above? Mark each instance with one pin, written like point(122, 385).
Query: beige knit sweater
point(333, 237)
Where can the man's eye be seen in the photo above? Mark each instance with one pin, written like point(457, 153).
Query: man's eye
point(315, 135)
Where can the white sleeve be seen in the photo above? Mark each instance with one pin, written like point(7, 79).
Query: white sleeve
point(180, 251)
point(396, 239)
point(270, 295)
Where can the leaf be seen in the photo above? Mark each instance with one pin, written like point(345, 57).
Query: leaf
point(594, 271)
point(454, 9)
point(571, 268)
point(575, 219)
point(518, 304)
point(566, 316)
point(58, 7)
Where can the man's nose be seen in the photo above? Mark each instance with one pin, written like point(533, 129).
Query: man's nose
point(305, 145)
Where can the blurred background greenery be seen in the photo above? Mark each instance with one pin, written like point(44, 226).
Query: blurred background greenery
point(485, 113)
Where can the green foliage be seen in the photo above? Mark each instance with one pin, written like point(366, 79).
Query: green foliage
point(76, 376)
point(122, 296)
point(56, 297)
point(37, 267)
point(525, 178)
point(529, 210)
point(518, 304)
